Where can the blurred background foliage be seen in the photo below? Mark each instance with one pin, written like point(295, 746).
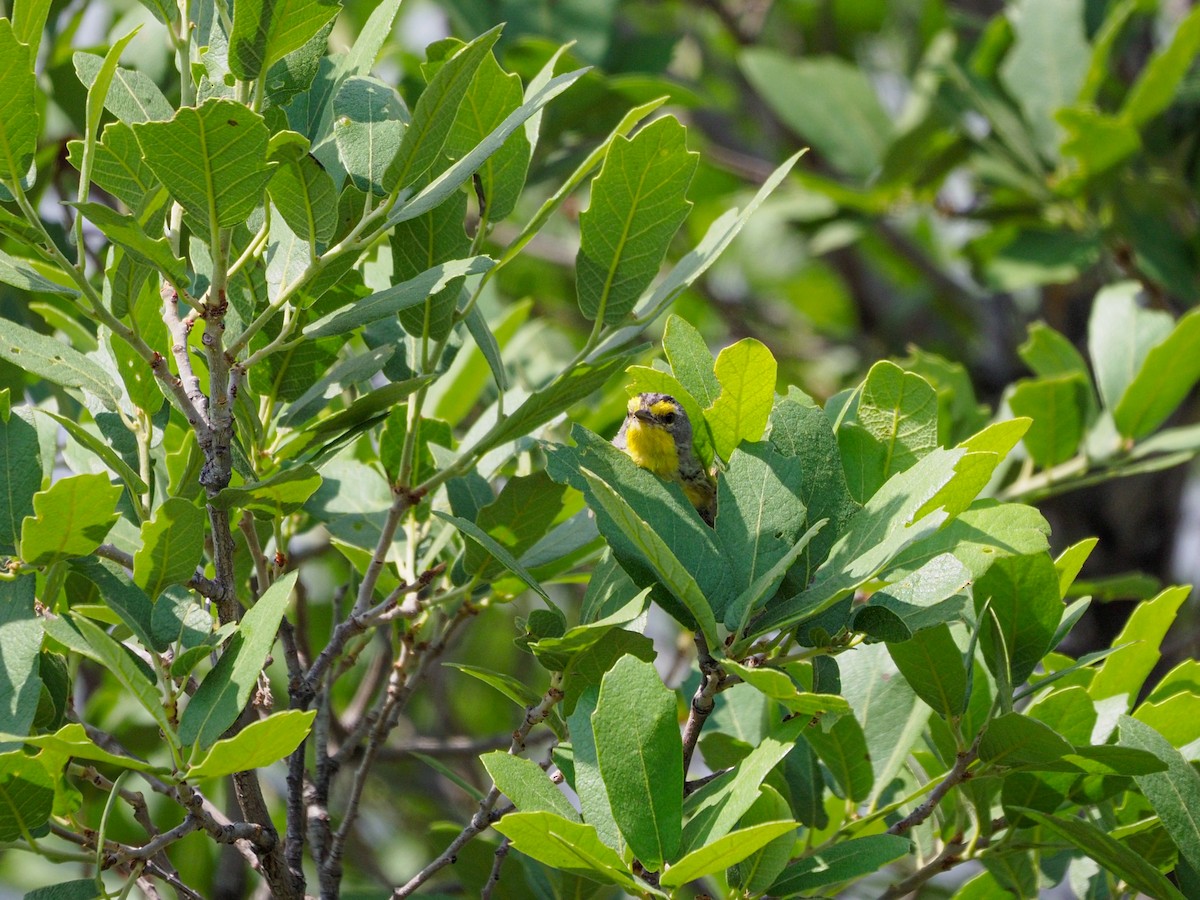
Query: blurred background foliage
point(974, 166)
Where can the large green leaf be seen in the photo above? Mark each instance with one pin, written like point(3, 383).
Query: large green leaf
point(746, 372)
point(1109, 853)
point(132, 95)
point(638, 202)
point(71, 518)
point(72, 740)
point(1120, 334)
point(20, 477)
point(369, 124)
point(278, 495)
point(932, 595)
point(26, 788)
point(267, 30)
point(386, 303)
point(1174, 794)
point(435, 112)
point(94, 642)
point(122, 596)
point(828, 102)
point(520, 516)
point(21, 273)
point(892, 520)
point(933, 665)
point(1058, 407)
point(843, 749)
point(1167, 375)
point(724, 852)
point(418, 245)
point(54, 361)
point(21, 637)
point(1125, 671)
point(496, 550)
point(212, 159)
point(1155, 88)
point(301, 189)
point(256, 746)
point(1047, 64)
point(589, 783)
point(839, 862)
point(221, 696)
point(899, 412)
point(566, 846)
point(493, 95)
point(656, 553)
point(19, 120)
point(526, 784)
point(1018, 740)
point(690, 359)
point(1022, 594)
point(172, 543)
point(641, 759)
point(125, 231)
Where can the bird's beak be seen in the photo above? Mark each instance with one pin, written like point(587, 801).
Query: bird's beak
point(643, 415)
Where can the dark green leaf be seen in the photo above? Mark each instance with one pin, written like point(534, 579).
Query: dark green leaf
point(369, 123)
point(20, 477)
point(26, 788)
point(267, 30)
point(19, 120)
point(842, 861)
point(933, 665)
point(1022, 593)
point(21, 637)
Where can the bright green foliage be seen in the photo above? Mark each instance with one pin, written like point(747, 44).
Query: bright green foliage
point(323, 502)
point(71, 518)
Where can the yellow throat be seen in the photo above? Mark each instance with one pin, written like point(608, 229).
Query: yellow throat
point(652, 448)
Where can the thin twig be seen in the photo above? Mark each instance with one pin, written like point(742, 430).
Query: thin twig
point(957, 774)
point(712, 677)
point(497, 862)
point(484, 815)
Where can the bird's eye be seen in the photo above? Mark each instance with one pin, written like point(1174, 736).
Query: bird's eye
point(668, 418)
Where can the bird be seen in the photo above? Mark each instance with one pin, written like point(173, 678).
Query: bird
point(658, 436)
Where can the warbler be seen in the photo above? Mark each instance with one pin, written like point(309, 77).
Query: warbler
point(657, 435)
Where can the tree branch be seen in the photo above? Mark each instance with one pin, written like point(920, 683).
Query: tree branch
point(957, 774)
point(712, 677)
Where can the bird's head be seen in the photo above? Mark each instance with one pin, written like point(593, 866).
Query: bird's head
point(659, 414)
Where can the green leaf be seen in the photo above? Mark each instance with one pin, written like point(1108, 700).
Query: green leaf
point(588, 782)
point(898, 410)
point(1014, 739)
point(123, 669)
point(758, 592)
point(54, 361)
point(1167, 375)
point(839, 862)
point(19, 120)
point(892, 520)
point(1174, 794)
point(516, 691)
point(450, 180)
point(757, 871)
point(641, 759)
point(421, 243)
point(1110, 853)
point(26, 788)
point(125, 231)
point(21, 273)
point(386, 303)
point(212, 159)
point(496, 550)
point(638, 202)
point(172, 543)
point(122, 596)
point(525, 783)
point(79, 889)
point(566, 846)
point(301, 189)
point(1022, 593)
point(71, 518)
point(267, 30)
point(654, 550)
point(72, 740)
point(368, 127)
point(746, 371)
point(933, 665)
point(1120, 334)
point(828, 102)
point(714, 810)
point(279, 495)
point(843, 749)
point(20, 477)
point(691, 362)
point(1155, 87)
point(493, 95)
point(223, 694)
point(132, 95)
point(100, 449)
point(1046, 68)
point(21, 637)
point(256, 746)
point(1058, 407)
point(724, 852)
point(1126, 670)
point(547, 402)
point(94, 107)
point(520, 516)
point(435, 112)
point(925, 598)
point(29, 20)
point(779, 686)
point(759, 517)
point(1048, 353)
